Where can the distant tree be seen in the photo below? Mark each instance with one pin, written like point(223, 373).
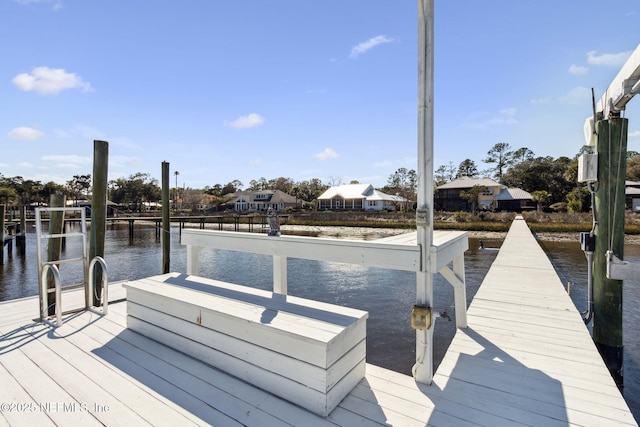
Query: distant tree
point(79, 186)
point(522, 155)
point(542, 173)
point(310, 190)
point(467, 168)
point(472, 195)
point(7, 194)
point(579, 199)
point(135, 190)
point(259, 185)
point(216, 190)
point(633, 168)
point(404, 183)
point(335, 180)
point(283, 184)
point(231, 187)
point(445, 173)
point(354, 181)
point(51, 188)
point(502, 156)
point(540, 197)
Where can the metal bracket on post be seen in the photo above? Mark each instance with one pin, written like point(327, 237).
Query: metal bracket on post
point(421, 317)
point(618, 269)
point(422, 217)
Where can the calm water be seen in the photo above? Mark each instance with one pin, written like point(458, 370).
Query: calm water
point(387, 295)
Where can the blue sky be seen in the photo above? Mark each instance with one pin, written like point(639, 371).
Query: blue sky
point(227, 90)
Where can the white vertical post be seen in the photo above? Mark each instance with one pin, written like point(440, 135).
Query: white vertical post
point(192, 259)
point(460, 292)
point(280, 274)
point(423, 369)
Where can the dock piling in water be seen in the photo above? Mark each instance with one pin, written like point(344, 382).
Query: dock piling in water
point(166, 221)
point(99, 211)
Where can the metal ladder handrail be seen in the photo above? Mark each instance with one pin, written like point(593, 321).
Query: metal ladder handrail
point(88, 269)
point(104, 295)
point(44, 291)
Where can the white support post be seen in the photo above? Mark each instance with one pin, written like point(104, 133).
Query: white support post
point(192, 259)
point(457, 279)
point(423, 369)
point(280, 274)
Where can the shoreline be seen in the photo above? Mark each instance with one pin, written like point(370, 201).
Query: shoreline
point(368, 233)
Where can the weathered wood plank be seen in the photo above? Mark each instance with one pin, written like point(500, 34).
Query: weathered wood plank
point(35, 377)
point(79, 353)
point(170, 369)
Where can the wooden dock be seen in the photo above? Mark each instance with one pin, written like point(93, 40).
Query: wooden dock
point(526, 358)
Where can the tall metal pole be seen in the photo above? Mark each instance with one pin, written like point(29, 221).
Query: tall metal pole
point(423, 369)
point(609, 206)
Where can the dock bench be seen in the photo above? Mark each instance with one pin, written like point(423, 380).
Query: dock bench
point(307, 352)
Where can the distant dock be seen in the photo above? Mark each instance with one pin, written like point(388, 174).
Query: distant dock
point(526, 358)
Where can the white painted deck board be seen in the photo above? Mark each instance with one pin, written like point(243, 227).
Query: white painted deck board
point(526, 359)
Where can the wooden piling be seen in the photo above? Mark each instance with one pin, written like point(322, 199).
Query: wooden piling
point(2, 215)
point(21, 237)
point(56, 226)
point(166, 221)
point(98, 211)
point(609, 207)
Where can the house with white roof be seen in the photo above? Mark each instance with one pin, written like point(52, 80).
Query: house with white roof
point(358, 197)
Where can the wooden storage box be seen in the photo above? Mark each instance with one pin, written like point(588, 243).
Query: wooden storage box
point(307, 352)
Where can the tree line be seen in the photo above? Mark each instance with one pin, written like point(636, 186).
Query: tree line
point(551, 181)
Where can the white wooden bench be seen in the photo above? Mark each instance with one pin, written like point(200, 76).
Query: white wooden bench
point(307, 352)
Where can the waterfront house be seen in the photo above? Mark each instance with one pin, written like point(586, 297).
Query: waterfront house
point(358, 197)
point(495, 196)
point(450, 196)
point(513, 200)
point(262, 201)
point(632, 192)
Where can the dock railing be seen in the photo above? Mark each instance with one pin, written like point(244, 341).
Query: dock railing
point(381, 254)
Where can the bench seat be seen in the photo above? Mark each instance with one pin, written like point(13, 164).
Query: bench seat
point(307, 352)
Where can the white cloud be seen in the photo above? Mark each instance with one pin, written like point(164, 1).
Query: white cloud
point(578, 69)
point(577, 95)
point(369, 44)
point(24, 133)
point(68, 160)
point(607, 59)
point(483, 120)
point(57, 4)
point(635, 134)
point(245, 122)
point(327, 154)
point(49, 81)
point(79, 131)
point(541, 100)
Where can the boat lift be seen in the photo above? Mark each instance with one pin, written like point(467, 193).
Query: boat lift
point(46, 268)
point(622, 89)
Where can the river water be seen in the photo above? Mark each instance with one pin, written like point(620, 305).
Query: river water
point(387, 295)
